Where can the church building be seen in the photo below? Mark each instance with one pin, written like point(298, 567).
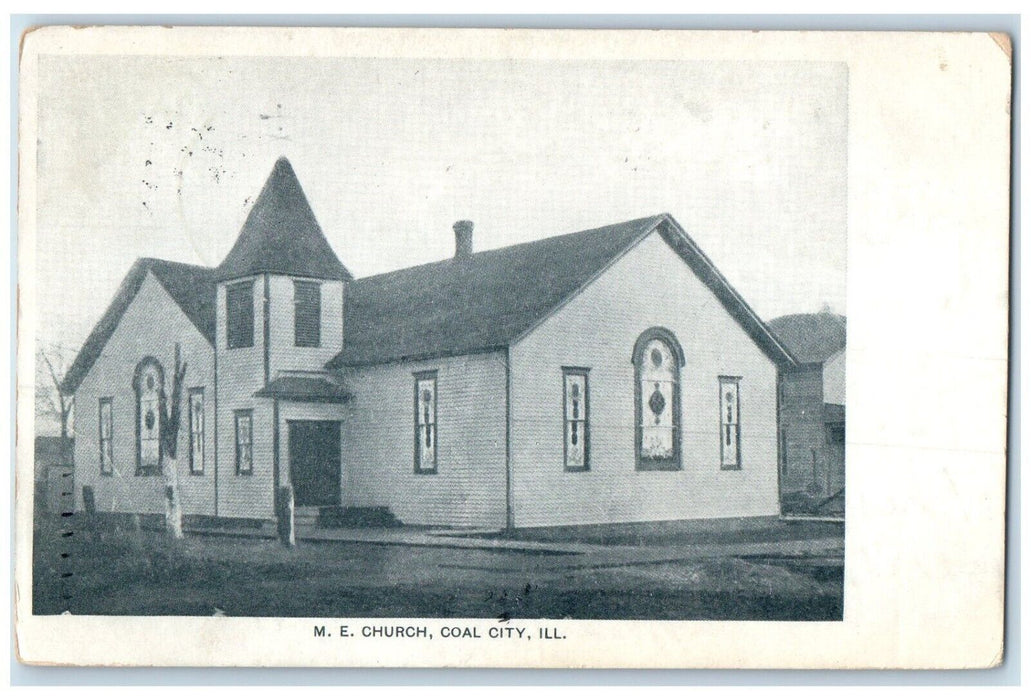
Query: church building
point(604, 376)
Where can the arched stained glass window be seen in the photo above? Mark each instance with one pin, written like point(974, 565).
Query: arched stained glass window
point(148, 383)
point(657, 362)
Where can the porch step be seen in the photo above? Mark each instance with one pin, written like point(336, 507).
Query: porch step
point(311, 517)
point(339, 516)
point(306, 516)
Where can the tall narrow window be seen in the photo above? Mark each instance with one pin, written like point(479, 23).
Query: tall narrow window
point(107, 457)
point(240, 315)
point(657, 362)
point(197, 430)
point(244, 442)
point(577, 437)
point(307, 314)
point(148, 384)
point(426, 423)
point(730, 423)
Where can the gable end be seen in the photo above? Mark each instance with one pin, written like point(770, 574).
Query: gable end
point(732, 301)
point(190, 287)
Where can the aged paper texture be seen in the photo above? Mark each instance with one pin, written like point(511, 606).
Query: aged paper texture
point(512, 348)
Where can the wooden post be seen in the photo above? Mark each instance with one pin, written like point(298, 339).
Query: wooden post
point(285, 517)
point(814, 482)
point(89, 506)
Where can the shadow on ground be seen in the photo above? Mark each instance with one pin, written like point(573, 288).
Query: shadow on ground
point(142, 573)
point(684, 532)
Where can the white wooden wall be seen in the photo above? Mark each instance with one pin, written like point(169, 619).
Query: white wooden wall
point(649, 286)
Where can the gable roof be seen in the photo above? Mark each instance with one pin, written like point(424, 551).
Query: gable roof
point(492, 298)
point(192, 287)
point(281, 235)
point(811, 337)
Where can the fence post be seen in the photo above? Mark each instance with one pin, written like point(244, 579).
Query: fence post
point(89, 509)
point(285, 516)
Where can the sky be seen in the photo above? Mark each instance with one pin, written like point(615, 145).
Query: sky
point(148, 156)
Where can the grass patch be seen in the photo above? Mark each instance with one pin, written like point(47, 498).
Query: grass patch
point(143, 573)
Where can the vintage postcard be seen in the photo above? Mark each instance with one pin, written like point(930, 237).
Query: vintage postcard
point(414, 347)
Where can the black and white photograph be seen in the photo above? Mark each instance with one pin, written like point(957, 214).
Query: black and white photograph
point(433, 345)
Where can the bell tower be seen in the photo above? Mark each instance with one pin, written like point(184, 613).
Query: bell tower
point(279, 307)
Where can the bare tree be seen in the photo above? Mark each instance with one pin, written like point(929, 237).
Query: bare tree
point(171, 419)
point(51, 402)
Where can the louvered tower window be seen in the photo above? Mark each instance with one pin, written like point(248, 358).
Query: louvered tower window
point(307, 314)
point(240, 315)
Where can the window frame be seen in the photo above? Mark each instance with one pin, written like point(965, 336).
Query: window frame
point(726, 380)
point(107, 466)
point(237, 415)
point(230, 288)
point(783, 438)
point(586, 420)
point(427, 375)
point(149, 469)
point(196, 391)
point(669, 464)
point(317, 297)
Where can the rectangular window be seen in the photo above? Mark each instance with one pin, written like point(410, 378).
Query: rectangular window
point(426, 423)
point(307, 314)
point(197, 430)
point(106, 435)
point(240, 315)
point(577, 435)
point(244, 445)
point(730, 423)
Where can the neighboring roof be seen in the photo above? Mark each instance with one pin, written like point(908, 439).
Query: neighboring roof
point(192, 287)
point(318, 389)
point(811, 337)
point(281, 235)
point(486, 301)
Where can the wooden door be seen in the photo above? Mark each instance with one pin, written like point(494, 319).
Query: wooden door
point(315, 462)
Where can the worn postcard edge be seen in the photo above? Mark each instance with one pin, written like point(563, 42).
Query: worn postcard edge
point(894, 594)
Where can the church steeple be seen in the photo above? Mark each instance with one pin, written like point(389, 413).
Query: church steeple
point(281, 235)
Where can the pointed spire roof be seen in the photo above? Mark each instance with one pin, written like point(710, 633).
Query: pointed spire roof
point(281, 235)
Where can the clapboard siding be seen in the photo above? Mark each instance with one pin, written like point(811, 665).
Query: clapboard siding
point(152, 325)
point(284, 354)
point(649, 286)
point(241, 372)
point(468, 489)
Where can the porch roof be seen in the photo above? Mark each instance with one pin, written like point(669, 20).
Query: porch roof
point(306, 389)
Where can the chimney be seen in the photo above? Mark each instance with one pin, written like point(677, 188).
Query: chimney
point(463, 239)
